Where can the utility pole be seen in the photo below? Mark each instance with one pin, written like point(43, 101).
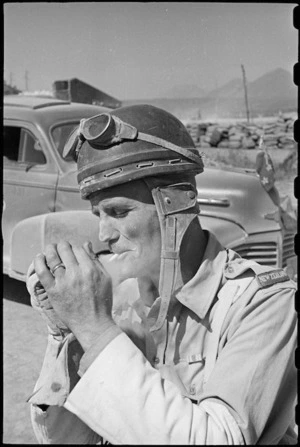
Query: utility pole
point(245, 90)
point(26, 81)
point(217, 98)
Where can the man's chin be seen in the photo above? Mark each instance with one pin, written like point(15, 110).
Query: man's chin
point(120, 271)
point(127, 291)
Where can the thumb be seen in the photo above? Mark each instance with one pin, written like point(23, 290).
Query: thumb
point(89, 249)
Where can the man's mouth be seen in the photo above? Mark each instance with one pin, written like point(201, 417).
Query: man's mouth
point(118, 255)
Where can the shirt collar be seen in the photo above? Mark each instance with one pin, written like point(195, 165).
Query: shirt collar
point(199, 293)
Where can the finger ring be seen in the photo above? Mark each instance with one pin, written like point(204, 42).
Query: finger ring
point(57, 267)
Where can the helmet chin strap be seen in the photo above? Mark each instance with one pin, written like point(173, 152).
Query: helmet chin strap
point(176, 207)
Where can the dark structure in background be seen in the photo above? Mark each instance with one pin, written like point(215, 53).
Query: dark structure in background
point(9, 89)
point(77, 91)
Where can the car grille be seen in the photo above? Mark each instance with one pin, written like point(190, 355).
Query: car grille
point(287, 248)
point(265, 253)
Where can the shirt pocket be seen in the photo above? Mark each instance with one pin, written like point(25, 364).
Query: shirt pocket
point(190, 372)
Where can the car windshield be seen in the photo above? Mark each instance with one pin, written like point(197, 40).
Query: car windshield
point(60, 135)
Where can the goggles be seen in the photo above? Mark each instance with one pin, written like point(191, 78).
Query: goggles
point(100, 131)
point(104, 130)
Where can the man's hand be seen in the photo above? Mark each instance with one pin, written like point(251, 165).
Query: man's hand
point(40, 302)
point(80, 293)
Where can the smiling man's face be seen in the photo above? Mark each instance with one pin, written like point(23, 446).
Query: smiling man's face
point(128, 222)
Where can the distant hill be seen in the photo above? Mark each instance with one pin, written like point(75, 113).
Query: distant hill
point(232, 89)
point(275, 84)
point(267, 95)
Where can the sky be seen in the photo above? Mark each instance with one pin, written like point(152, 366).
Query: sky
point(140, 50)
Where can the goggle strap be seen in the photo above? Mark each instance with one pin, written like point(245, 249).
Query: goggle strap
point(166, 144)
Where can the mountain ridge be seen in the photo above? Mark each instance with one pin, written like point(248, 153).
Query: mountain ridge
point(279, 77)
point(267, 95)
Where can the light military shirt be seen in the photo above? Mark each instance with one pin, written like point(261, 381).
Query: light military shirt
point(220, 371)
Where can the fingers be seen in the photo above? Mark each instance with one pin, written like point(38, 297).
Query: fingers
point(42, 271)
point(31, 282)
point(83, 255)
point(33, 285)
point(53, 259)
point(52, 256)
point(71, 256)
point(89, 249)
point(65, 254)
point(30, 270)
point(86, 257)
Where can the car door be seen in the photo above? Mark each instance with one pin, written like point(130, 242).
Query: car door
point(30, 177)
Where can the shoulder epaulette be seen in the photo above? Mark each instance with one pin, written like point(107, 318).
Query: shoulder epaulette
point(272, 277)
point(266, 276)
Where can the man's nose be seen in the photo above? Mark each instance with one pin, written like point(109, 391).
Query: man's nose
point(107, 231)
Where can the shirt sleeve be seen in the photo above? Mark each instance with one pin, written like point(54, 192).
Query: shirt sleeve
point(51, 422)
point(58, 375)
point(91, 354)
point(56, 425)
point(124, 399)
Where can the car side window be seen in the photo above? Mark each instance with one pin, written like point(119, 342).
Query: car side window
point(60, 134)
point(21, 146)
point(11, 142)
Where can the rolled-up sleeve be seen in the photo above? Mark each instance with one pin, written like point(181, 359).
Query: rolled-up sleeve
point(51, 422)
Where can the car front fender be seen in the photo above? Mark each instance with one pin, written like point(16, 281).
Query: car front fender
point(228, 233)
point(31, 236)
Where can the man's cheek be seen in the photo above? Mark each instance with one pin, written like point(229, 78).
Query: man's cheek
point(153, 227)
point(154, 236)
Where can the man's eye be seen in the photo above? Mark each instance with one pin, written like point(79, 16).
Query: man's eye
point(120, 212)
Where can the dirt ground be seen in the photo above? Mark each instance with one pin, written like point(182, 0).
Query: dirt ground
point(24, 344)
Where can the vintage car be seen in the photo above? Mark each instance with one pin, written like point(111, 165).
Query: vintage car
point(42, 204)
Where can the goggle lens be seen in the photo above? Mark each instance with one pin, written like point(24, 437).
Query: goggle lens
point(100, 128)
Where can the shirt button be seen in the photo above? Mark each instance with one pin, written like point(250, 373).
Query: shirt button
point(156, 360)
point(230, 270)
point(55, 386)
point(192, 389)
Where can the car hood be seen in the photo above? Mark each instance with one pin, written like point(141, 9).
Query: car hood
point(237, 195)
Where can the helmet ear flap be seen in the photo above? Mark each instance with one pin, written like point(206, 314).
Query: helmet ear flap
point(176, 206)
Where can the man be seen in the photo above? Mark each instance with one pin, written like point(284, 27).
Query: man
point(204, 353)
point(265, 169)
point(266, 172)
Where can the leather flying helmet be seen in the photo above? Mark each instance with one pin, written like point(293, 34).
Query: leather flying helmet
point(130, 143)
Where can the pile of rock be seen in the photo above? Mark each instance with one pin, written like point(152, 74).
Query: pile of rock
point(276, 134)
